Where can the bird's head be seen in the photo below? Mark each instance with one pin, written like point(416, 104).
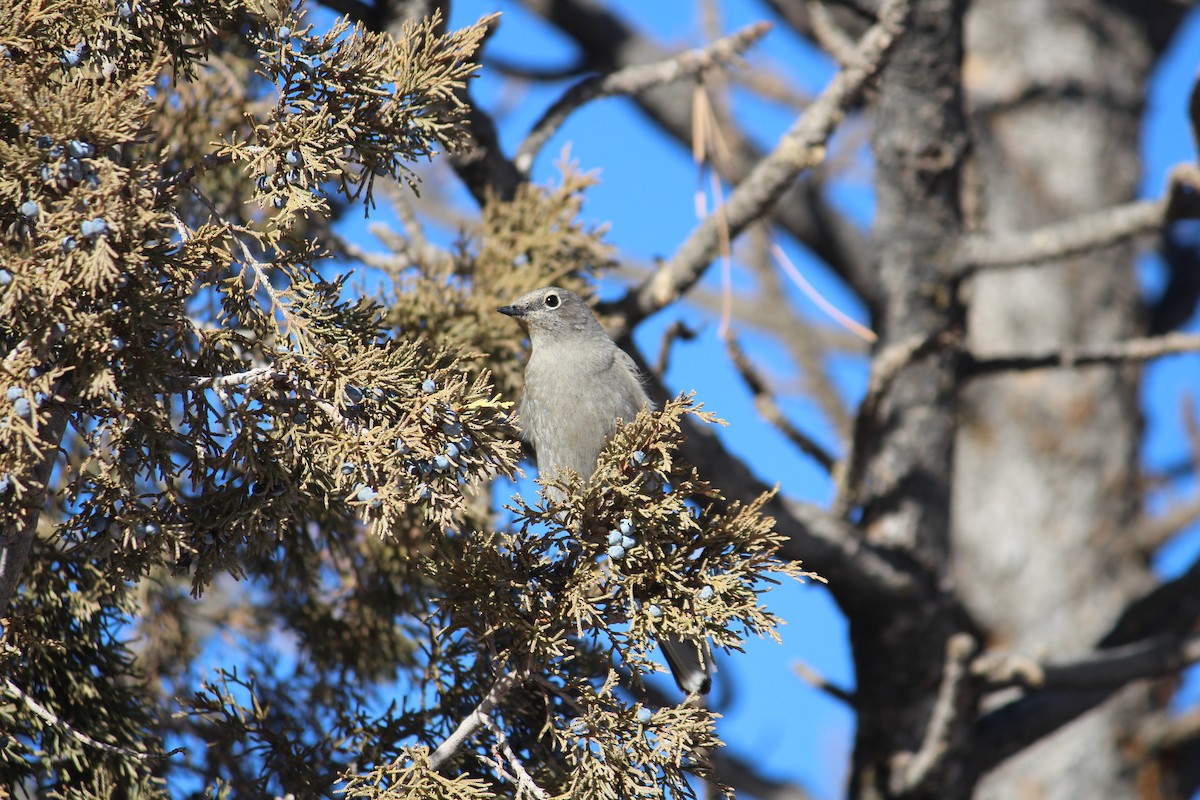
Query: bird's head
point(553, 312)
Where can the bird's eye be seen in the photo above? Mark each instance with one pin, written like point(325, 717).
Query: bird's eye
point(552, 301)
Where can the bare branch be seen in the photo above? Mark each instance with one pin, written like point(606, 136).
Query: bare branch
point(525, 783)
point(820, 682)
point(803, 146)
point(210, 161)
point(1153, 532)
point(1164, 655)
point(55, 721)
point(476, 718)
point(1166, 731)
point(764, 402)
point(632, 80)
point(610, 43)
point(1194, 111)
point(829, 35)
point(676, 331)
point(746, 777)
point(885, 367)
point(1085, 233)
point(1156, 626)
point(863, 577)
point(913, 771)
point(1143, 349)
point(522, 72)
point(354, 9)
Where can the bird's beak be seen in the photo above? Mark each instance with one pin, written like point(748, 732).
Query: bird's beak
point(512, 311)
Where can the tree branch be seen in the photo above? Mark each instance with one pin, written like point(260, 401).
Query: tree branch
point(1084, 233)
point(823, 684)
point(864, 578)
point(1117, 666)
point(765, 402)
point(803, 146)
point(632, 80)
point(885, 367)
point(1166, 731)
point(1155, 625)
point(477, 718)
point(55, 721)
point(1150, 533)
point(15, 544)
point(609, 43)
point(913, 771)
point(1143, 349)
point(521, 777)
point(745, 776)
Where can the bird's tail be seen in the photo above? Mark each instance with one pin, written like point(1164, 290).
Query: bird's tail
point(691, 663)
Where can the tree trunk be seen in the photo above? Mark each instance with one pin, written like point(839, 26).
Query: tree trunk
point(1045, 485)
point(920, 152)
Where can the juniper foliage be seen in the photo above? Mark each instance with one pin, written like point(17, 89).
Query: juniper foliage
point(212, 443)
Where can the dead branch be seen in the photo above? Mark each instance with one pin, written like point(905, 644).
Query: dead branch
point(1117, 666)
point(633, 80)
point(55, 721)
point(1155, 629)
point(860, 574)
point(477, 718)
point(610, 42)
point(1166, 731)
point(803, 146)
point(676, 331)
point(829, 34)
point(823, 684)
point(1153, 532)
point(913, 771)
point(746, 777)
point(1084, 233)
point(885, 367)
point(1143, 349)
point(765, 403)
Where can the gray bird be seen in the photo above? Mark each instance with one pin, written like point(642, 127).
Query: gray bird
point(578, 383)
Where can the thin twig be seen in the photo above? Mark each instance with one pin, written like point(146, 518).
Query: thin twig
point(764, 402)
point(52, 719)
point(861, 331)
point(633, 80)
point(823, 684)
point(1143, 349)
point(829, 35)
point(913, 771)
point(524, 781)
point(210, 161)
point(521, 72)
point(803, 146)
point(391, 263)
point(260, 279)
point(249, 378)
point(476, 718)
point(676, 331)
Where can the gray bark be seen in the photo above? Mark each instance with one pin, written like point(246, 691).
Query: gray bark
point(1045, 484)
point(920, 153)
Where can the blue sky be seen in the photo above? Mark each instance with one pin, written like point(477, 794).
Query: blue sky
point(646, 194)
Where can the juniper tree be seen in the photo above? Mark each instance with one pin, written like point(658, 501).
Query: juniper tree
point(212, 431)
